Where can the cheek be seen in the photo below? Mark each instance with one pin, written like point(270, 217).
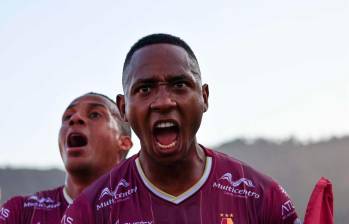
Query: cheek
point(138, 125)
point(135, 113)
point(61, 137)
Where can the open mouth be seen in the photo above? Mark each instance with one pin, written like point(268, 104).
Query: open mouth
point(166, 134)
point(76, 140)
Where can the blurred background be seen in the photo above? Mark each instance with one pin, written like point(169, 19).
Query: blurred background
point(277, 70)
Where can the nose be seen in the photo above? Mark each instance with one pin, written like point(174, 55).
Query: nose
point(163, 101)
point(76, 119)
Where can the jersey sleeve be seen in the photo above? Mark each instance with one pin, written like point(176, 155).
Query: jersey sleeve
point(78, 213)
point(12, 211)
point(278, 207)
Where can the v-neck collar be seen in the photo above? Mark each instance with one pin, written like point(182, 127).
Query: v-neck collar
point(68, 199)
point(168, 197)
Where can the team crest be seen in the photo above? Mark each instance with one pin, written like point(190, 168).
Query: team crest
point(226, 219)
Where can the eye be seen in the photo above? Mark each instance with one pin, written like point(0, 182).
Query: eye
point(179, 84)
point(66, 117)
point(94, 115)
point(144, 89)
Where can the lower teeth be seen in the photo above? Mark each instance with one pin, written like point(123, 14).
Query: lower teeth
point(167, 146)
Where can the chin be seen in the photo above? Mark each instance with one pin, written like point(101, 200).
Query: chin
point(78, 169)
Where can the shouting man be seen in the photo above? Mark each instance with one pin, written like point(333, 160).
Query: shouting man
point(174, 179)
point(92, 139)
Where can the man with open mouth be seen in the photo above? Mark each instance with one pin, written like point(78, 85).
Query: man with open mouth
point(173, 179)
point(92, 140)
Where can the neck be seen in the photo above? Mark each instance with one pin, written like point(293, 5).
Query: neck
point(186, 172)
point(77, 181)
point(74, 186)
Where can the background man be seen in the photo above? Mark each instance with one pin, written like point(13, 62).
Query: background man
point(92, 139)
point(174, 179)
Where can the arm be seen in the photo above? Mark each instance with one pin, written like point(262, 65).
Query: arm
point(278, 208)
point(12, 211)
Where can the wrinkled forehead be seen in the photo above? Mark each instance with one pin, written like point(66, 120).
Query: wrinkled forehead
point(164, 59)
point(92, 100)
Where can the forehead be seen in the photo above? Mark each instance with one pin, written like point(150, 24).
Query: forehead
point(90, 100)
point(164, 59)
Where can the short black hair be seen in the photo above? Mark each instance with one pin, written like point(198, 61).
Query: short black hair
point(157, 38)
point(124, 127)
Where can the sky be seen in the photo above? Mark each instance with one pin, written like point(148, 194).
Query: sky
point(275, 68)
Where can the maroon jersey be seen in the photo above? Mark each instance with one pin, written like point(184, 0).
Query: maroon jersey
point(229, 192)
point(45, 207)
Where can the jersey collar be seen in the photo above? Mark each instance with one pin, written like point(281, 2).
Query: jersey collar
point(176, 199)
point(66, 196)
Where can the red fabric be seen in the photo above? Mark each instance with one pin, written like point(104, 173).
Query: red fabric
point(320, 205)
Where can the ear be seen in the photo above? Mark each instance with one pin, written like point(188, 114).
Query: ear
point(120, 102)
point(205, 93)
point(125, 143)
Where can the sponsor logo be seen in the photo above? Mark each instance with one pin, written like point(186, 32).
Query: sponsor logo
point(229, 177)
point(4, 213)
point(287, 209)
point(41, 202)
point(226, 219)
point(110, 197)
point(238, 188)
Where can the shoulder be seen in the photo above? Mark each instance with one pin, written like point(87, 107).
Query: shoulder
point(15, 202)
point(11, 209)
point(20, 201)
point(240, 178)
point(22, 206)
point(50, 193)
point(100, 194)
point(46, 199)
point(226, 164)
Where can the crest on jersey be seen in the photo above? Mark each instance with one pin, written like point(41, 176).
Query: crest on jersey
point(226, 219)
point(229, 177)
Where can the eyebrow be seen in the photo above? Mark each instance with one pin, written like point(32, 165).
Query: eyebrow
point(178, 78)
point(146, 80)
point(171, 78)
point(94, 105)
point(90, 105)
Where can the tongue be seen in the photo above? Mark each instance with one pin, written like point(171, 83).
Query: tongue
point(166, 137)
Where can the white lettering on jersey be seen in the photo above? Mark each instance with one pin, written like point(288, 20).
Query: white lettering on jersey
point(67, 220)
point(242, 187)
point(4, 213)
point(287, 209)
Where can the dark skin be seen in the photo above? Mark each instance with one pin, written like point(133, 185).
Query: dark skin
point(91, 116)
point(164, 87)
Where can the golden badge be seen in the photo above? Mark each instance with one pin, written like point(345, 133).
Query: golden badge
point(226, 218)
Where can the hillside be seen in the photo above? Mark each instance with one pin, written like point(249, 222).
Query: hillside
point(26, 181)
point(297, 166)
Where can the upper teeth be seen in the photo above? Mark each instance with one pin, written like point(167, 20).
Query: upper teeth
point(165, 125)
